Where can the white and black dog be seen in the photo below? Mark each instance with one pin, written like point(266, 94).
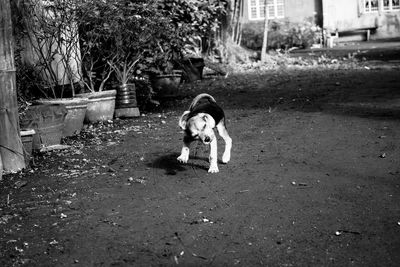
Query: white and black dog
point(198, 123)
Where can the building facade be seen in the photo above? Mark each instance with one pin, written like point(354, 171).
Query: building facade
point(380, 17)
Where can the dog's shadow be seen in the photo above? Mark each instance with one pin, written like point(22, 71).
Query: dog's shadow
point(172, 166)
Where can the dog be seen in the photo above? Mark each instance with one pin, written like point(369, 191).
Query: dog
point(198, 124)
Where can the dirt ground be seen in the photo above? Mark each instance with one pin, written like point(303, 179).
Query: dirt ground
point(314, 180)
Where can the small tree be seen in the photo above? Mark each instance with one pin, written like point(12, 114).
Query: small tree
point(265, 34)
point(52, 46)
point(92, 26)
point(118, 35)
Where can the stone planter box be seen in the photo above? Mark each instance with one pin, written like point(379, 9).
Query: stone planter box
point(76, 111)
point(48, 123)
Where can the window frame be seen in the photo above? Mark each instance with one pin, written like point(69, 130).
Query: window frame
point(369, 9)
point(390, 7)
point(260, 14)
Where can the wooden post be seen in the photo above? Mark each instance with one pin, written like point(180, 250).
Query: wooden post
point(11, 149)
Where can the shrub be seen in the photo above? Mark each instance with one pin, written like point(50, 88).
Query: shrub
point(283, 34)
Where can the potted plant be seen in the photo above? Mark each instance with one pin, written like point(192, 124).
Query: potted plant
point(51, 48)
point(96, 71)
point(169, 40)
point(127, 30)
point(47, 121)
point(164, 77)
point(198, 23)
point(191, 25)
point(101, 103)
point(126, 96)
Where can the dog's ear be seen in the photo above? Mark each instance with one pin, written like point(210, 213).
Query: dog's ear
point(183, 119)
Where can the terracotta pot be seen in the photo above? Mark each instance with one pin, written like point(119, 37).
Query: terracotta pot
point(101, 105)
point(48, 123)
point(76, 108)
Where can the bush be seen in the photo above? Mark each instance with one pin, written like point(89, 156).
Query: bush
point(283, 34)
point(123, 38)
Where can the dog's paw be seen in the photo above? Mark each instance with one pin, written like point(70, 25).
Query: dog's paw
point(213, 169)
point(183, 158)
point(226, 157)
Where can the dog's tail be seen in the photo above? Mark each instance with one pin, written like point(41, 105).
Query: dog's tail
point(198, 98)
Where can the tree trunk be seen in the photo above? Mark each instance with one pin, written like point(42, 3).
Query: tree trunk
point(228, 45)
point(11, 149)
point(265, 36)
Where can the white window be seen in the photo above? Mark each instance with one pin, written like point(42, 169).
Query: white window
point(275, 9)
point(389, 5)
point(370, 6)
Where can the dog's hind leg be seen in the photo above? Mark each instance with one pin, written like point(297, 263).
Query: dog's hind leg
point(228, 141)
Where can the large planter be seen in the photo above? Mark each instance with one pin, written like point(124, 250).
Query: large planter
point(101, 105)
point(125, 102)
point(76, 108)
point(48, 123)
point(166, 85)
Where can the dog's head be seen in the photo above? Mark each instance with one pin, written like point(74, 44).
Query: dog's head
point(199, 127)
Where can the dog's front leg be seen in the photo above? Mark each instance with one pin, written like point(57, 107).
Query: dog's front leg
point(228, 142)
point(184, 157)
point(213, 156)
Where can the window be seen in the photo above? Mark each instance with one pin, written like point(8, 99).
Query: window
point(257, 9)
point(275, 9)
point(389, 5)
point(370, 6)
